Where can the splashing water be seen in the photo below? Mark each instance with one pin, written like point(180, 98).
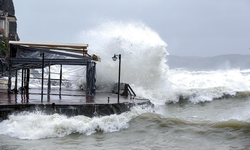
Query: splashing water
point(144, 66)
point(36, 125)
point(143, 56)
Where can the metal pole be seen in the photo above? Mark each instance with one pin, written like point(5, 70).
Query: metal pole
point(9, 81)
point(28, 80)
point(88, 79)
point(25, 80)
point(119, 77)
point(10, 67)
point(60, 80)
point(16, 82)
point(22, 80)
point(49, 83)
point(42, 78)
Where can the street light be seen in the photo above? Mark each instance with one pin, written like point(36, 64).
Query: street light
point(119, 75)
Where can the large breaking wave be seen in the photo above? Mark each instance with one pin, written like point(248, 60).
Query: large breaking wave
point(144, 66)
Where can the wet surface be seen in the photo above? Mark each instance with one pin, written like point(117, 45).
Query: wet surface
point(65, 97)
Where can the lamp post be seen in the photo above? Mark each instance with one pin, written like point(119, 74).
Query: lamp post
point(119, 75)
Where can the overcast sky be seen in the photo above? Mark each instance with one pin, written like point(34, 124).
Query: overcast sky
point(189, 27)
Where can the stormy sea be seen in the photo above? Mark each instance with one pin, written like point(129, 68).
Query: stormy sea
point(199, 103)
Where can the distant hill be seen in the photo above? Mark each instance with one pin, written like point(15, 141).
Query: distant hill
point(221, 62)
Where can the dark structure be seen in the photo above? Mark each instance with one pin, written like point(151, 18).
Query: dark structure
point(8, 20)
point(7, 6)
point(31, 55)
point(8, 31)
point(89, 110)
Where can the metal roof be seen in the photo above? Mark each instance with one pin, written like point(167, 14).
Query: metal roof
point(26, 55)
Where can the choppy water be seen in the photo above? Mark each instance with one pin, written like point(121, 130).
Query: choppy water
point(221, 124)
point(193, 109)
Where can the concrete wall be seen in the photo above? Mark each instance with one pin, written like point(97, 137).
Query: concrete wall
point(89, 110)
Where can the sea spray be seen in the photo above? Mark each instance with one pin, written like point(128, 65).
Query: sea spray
point(144, 66)
point(143, 55)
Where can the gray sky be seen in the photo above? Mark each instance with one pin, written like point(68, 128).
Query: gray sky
point(189, 27)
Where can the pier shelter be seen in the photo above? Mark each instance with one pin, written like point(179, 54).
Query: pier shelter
point(36, 55)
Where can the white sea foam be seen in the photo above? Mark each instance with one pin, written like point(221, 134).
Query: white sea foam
point(38, 125)
point(200, 86)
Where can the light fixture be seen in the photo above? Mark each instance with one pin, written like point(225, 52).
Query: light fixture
point(114, 57)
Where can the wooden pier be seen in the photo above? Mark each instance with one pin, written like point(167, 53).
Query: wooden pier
point(69, 103)
point(29, 55)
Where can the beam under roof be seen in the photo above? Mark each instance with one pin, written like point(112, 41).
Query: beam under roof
point(50, 45)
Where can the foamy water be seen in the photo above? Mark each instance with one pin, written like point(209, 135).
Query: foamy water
point(36, 125)
point(201, 86)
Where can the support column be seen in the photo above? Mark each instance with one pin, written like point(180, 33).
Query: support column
point(16, 82)
point(49, 83)
point(60, 88)
point(42, 78)
point(28, 81)
point(94, 78)
point(88, 80)
point(10, 68)
point(9, 81)
point(25, 80)
point(22, 87)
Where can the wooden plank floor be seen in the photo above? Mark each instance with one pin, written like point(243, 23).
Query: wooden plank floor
point(67, 97)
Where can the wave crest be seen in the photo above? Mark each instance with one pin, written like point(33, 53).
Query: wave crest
point(36, 125)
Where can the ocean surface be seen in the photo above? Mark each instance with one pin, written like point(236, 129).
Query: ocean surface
point(198, 109)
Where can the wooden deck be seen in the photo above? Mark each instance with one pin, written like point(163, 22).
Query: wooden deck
point(69, 103)
point(67, 97)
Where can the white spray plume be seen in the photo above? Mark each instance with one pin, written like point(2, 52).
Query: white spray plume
point(142, 50)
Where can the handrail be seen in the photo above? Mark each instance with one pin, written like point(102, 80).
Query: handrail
point(130, 90)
